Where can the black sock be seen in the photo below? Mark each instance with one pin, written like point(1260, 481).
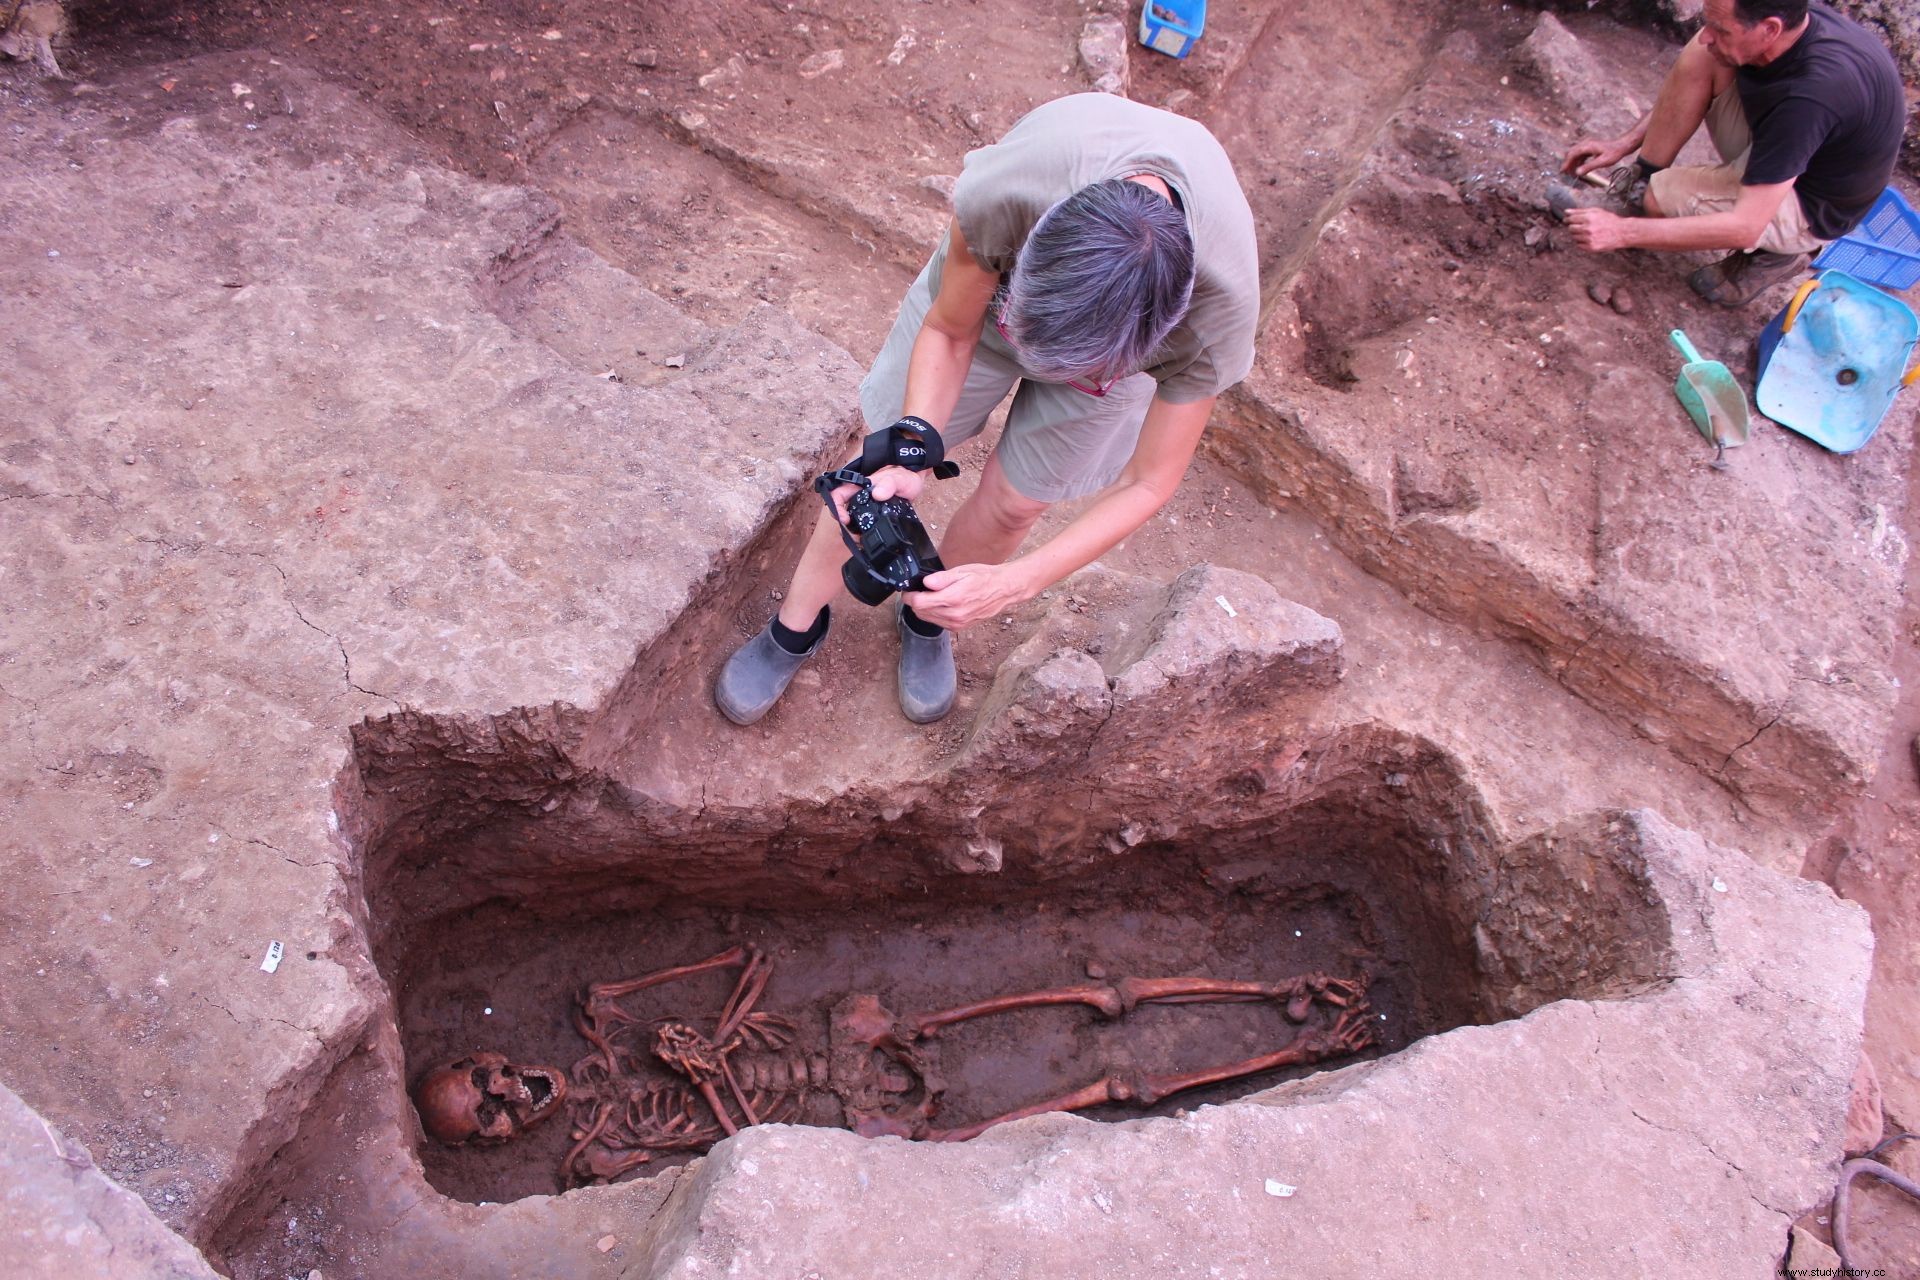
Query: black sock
point(800, 642)
point(918, 625)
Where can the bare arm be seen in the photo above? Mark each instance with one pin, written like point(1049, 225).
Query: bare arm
point(965, 594)
point(942, 353)
point(937, 367)
point(1738, 228)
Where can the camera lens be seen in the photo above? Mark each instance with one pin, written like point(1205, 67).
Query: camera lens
point(863, 583)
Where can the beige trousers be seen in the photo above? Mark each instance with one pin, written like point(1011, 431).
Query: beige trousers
point(1695, 189)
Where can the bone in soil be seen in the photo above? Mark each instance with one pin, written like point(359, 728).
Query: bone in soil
point(484, 983)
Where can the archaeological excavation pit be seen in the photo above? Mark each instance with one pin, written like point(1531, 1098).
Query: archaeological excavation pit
point(1365, 901)
point(443, 361)
point(487, 980)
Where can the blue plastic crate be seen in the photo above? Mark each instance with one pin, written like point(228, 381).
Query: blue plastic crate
point(1172, 26)
point(1884, 249)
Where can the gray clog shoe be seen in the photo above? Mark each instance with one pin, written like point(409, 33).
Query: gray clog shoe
point(756, 675)
point(926, 677)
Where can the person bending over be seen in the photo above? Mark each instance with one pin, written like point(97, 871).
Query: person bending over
point(1100, 265)
point(1806, 110)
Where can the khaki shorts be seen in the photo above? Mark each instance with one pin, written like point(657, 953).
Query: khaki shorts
point(1696, 189)
point(1059, 443)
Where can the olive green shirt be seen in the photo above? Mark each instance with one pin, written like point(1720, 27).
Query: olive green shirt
point(1073, 142)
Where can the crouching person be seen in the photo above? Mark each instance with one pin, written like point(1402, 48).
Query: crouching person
point(1101, 267)
point(1806, 111)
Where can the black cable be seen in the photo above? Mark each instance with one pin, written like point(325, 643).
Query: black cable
point(1842, 1192)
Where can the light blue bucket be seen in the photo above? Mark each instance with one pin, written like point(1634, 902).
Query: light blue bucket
point(1833, 360)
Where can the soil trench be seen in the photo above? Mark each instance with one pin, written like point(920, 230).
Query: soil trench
point(1369, 876)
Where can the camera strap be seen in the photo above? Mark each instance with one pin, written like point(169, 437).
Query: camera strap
point(912, 443)
point(827, 481)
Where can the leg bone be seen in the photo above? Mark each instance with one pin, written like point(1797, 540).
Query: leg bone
point(928, 1025)
point(1129, 993)
point(1350, 1034)
point(1106, 1089)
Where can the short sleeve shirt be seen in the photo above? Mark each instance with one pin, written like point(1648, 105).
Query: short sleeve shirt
point(1064, 145)
point(1827, 115)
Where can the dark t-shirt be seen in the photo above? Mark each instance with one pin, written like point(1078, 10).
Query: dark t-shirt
point(1828, 112)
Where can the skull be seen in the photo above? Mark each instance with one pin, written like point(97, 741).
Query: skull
point(485, 1098)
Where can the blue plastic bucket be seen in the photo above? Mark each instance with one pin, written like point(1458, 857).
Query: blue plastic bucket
point(1172, 26)
point(1831, 363)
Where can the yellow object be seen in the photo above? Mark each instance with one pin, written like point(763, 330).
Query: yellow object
point(1799, 300)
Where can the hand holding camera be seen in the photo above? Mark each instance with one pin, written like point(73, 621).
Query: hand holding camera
point(888, 482)
point(891, 548)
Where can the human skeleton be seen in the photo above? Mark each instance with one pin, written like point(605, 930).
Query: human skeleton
point(880, 1070)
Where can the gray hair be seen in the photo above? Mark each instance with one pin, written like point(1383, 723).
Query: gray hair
point(1102, 280)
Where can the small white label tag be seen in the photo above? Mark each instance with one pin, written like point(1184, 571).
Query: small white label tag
point(1222, 602)
point(274, 952)
point(1275, 1187)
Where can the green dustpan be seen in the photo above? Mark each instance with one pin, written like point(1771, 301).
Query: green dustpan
point(1711, 398)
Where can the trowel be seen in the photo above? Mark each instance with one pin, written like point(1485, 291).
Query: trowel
point(1712, 399)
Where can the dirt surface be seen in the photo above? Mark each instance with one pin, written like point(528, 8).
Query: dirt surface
point(1448, 449)
point(66, 1217)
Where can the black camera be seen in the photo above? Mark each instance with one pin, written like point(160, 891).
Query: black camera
point(891, 549)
